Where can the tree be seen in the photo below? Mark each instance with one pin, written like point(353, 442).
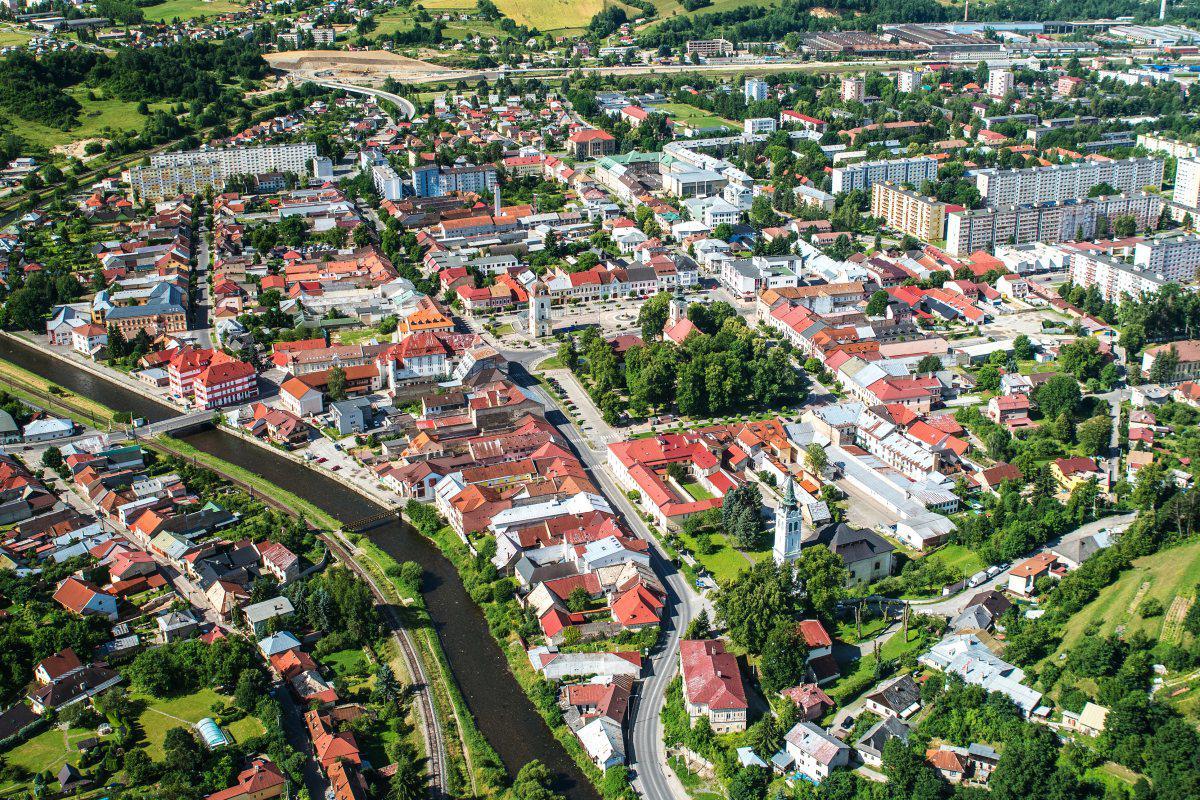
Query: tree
point(578, 599)
point(878, 303)
point(1094, 435)
point(336, 387)
point(824, 577)
point(653, 316)
point(1163, 367)
point(929, 363)
point(988, 378)
point(784, 658)
point(52, 458)
point(815, 458)
point(749, 783)
point(700, 627)
point(1023, 347)
point(387, 688)
point(1060, 393)
point(756, 601)
point(410, 779)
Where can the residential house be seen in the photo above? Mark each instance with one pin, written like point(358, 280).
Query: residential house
point(712, 685)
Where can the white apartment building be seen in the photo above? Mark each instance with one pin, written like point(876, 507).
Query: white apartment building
point(246, 160)
point(862, 175)
point(1000, 82)
point(388, 182)
point(907, 81)
point(854, 89)
point(984, 228)
point(1171, 147)
point(1058, 182)
point(190, 171)
point(758, 125)
point(755, 89)
point(1187, 182)
point(1174, 258)
point(1115, 279)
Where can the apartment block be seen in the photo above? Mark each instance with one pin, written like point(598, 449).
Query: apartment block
point(1187, 182)
point(1000, 82)
point(387, 181)
point(1114, 278)
point(1059, 182)
point(755, 89)
point(1174, 258)
point(909, 212)
point(854, 89)
point(907, 81)
point(435, 181)
point(897, 170)
point(982, 229)
point(188, 171)
point(1171, 147)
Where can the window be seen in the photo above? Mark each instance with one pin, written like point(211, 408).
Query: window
point(876, 565)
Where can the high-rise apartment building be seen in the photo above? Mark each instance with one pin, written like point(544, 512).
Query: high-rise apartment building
point(897, 170)
point(755, 89)
point(1187, 182)
point(190, 171)
point(909, 212)
point(1174, 258)
point(985, 228)
point(1060, 182)
point(854, 89)
point(434, 181)
point(999, 83)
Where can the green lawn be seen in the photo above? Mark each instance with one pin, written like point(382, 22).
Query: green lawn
point(697, 491)
point(188, 9)
point(687, 114)
point(46, 751)
point(347, 662)
point(12, 37)
point(726, 562)
point(246, 728)
point(1163, 576)
point(163, 714)
point(94, 117)
point(551, 15)
point(955, 555)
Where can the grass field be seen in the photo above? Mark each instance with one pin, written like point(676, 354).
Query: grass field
point(955, 555)
point(726, 562)
point(1164, 576)
point(12, 37)
point(551, 15)
point(94, 118)
point(696, 491)
point(48, 750)
point(187, 9)
point(346, 662)
point(690, 115)
point(673, 8)
point(163, 714)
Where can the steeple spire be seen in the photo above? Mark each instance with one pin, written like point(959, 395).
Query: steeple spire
point(789, 495)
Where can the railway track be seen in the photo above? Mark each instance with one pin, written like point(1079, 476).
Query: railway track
point(435, 743)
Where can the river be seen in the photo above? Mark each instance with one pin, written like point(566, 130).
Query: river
point(505, 716)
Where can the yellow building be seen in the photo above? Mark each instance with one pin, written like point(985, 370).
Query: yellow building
point(909, 212)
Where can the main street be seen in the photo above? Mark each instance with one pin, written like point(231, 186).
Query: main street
point(646, 753)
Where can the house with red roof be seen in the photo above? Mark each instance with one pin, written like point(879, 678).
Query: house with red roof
point(261, 780)
point(712, 685)
point(591, 143)
point(224, 382)
point(645, 466)
point(85, 598)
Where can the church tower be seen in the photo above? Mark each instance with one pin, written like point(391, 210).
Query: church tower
point(539, 310)
point(677, 310)
point(789, 527)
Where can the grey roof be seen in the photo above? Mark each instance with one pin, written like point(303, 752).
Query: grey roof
point(7, 423)
point(268, 609)
point(1078, 550)
point(873, 740)
point(975, 617)
point(853, 544)
point(898, 695)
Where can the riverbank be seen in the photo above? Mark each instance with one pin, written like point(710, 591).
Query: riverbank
point(493, 700)
point(502, 613)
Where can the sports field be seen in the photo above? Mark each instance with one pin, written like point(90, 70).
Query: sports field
point(690, 115)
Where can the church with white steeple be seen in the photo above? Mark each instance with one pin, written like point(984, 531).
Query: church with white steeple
point(789, 527)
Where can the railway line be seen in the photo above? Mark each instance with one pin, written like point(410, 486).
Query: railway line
point(435, 743)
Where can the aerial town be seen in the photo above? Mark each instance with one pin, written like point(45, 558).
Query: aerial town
point(533, 400)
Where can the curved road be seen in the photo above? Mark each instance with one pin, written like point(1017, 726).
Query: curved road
point(406, 106)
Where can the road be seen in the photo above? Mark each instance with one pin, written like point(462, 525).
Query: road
point(405, 105)
point(645, 749)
